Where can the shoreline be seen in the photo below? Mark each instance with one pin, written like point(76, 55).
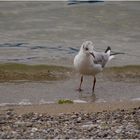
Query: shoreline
point(12, 72)
point(56, 109)
point(31, 80)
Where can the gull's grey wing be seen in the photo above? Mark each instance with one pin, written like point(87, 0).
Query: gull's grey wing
point(101, 58)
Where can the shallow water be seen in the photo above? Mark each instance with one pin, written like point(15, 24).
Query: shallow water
point(52, 32)
point(51, 92)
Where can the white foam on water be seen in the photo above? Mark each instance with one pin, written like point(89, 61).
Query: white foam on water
point(42, 101)
point(100, 101)
point(25, 102)
point(8, 104)
point(79, 101)
point(135, 99)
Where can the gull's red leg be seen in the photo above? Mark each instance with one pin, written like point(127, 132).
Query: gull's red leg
point(94, 84)
point(79, 89)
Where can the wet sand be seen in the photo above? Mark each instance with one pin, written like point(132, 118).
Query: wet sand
point(55, 109)
point(45, 92)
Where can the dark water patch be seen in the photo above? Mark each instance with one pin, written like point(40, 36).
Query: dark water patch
point(33, 57)
point(57, 48)
point(20, 59)
point(72, 50)
point(35, 53)
point(14, 59)
point(67, 50)
point(71, 2)
point(38, 47)
point(13, 45)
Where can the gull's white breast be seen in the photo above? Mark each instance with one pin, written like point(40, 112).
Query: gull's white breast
point(84, 64)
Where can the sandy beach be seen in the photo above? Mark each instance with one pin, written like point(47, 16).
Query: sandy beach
point(55, 109)
point(118, 120)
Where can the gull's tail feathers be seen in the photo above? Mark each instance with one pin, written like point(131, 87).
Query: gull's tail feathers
point(112, 54)
point(116, 53)
point(111, 57)
point(108, 50)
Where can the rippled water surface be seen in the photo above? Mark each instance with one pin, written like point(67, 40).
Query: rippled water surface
point(51, 32)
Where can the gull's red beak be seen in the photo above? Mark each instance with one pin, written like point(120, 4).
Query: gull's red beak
point(92, 54)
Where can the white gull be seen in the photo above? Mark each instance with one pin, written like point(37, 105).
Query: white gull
point(90, 62)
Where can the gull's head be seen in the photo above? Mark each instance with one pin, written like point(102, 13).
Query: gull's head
point(87, 48)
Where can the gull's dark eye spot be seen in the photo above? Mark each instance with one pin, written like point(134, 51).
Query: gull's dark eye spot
point(86, 49)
